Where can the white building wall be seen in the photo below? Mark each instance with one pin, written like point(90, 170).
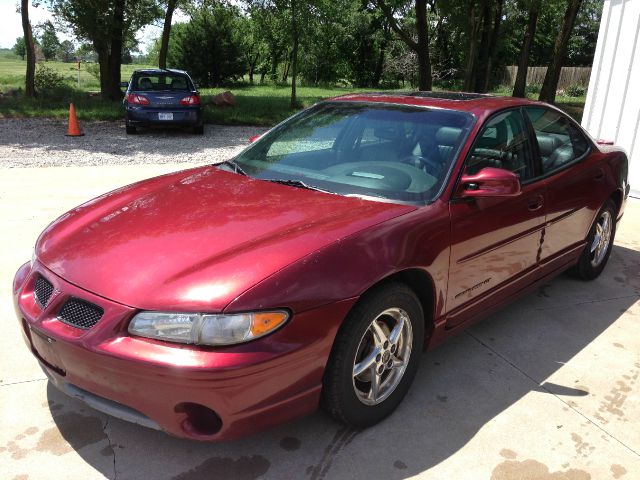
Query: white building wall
point(612, 109)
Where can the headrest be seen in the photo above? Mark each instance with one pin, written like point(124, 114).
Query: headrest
point(448, 136)
point(179, 84)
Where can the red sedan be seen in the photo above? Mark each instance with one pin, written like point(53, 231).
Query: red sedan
point(315, 266)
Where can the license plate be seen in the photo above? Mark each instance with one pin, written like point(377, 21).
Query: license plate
point(165, 116)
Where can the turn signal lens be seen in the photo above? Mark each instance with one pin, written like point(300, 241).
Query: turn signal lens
point(263, 323)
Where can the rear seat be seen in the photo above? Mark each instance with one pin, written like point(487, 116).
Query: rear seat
point(554, 149)
point(547, 144)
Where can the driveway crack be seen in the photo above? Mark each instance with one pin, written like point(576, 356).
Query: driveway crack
point(587, 302)
point(105, 429)
point(19, 382)
point(541, 386)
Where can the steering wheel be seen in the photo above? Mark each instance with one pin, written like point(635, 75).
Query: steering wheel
point(427, 165)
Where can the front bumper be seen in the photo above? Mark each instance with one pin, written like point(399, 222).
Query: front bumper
point(249, 387)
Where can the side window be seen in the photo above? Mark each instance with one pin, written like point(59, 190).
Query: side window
point(503, 143)
point(559, 141)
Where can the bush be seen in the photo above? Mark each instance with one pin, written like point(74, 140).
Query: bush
point(207, 47)
point(47, 79)
point(533, 89)
point(506, 90)
point(575, 91)
point(50, 83)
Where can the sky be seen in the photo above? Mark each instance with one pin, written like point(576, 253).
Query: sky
point(11, 25)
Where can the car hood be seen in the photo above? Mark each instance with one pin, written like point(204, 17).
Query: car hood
point(196, 239)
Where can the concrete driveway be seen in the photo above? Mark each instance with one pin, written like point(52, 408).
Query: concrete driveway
point(547, 389)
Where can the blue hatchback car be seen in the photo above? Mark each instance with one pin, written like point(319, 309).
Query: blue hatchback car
point(162, 97)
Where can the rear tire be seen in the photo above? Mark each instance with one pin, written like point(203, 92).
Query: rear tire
point(131, 130)
point(375, 356)
point(596, 253)
point(198, 130)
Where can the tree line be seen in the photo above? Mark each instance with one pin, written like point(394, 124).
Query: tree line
point(452, 44)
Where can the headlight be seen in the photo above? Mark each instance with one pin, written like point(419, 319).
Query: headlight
point(206, 329)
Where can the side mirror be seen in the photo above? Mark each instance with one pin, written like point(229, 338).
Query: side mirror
point(124, 84)
point(490, 182)
point(254, 138)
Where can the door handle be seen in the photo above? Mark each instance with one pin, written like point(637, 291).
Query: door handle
point(535, 203)
point(599, 174)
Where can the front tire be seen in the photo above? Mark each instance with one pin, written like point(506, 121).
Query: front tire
point(599, 244)
point(375, 356)
point(131, 130)
point(198, 129)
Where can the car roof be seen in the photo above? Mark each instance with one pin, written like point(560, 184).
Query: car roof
point(479, 104)
point(156, 71)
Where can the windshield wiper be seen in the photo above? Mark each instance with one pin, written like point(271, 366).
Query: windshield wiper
point(367, 197)
point(235, 168)
point(296, 183)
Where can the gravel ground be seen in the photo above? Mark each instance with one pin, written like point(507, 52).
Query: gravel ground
point(27, 142)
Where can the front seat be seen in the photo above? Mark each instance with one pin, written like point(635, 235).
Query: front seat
point(489, 151)
point(446, 139)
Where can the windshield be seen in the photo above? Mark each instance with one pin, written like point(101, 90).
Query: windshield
point(161, 82)
point(387, 151)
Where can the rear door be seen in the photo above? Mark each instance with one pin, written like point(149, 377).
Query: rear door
point(572, 181)
point(495, 241)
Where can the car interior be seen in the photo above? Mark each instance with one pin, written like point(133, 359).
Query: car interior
point(145, 83)
point(380, 152)
point(559, 142)
point(398, 153)
point(149, 83)
point(504, 143)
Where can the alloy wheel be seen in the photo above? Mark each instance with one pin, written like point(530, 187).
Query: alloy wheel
point(601, 239)
point(382, 356)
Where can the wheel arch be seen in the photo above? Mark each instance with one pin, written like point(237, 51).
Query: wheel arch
point(617, 197)
point(421, 283)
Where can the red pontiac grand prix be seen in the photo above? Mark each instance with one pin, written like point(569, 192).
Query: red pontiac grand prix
point(315, 266)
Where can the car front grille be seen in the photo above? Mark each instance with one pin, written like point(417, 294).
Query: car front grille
point(42, 291)
point(80, 314)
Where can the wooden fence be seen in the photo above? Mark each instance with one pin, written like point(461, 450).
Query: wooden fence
point(535, 76)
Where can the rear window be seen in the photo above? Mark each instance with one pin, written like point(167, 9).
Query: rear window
point(161, 82)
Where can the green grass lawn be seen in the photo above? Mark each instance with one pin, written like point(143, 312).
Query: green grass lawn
point(263, 105)
point(12, 71)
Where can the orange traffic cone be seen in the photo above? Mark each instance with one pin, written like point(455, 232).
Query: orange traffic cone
point(74, 126)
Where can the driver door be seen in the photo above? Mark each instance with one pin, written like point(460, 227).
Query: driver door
point(495, 241)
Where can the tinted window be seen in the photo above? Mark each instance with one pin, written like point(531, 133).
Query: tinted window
point(160, 82)
point(392, 152)
point(502, 143)
point(559, 141)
